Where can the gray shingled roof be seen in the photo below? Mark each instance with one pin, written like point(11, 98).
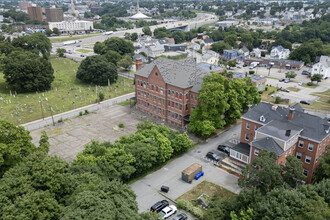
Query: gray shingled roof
point(278, 129)
point(269, 144)
point(243, 148)
point(312, 125)
point(181, 73)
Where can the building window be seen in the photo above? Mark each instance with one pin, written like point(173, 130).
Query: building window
point(195, 97)
point(169, 92)
point(310, 147)
point(247, 137)
point(159, 111)
point(156, 73)
point(154, 108)
point(187, 95)
point(301, 144)
point(256, 127)
point(305, 172)
point(176, 116)
point(156, 88)
point(152, 87)
point(186, 106)
point(247, 125)
point(180, 106)
point(168, 113)
point(298, 155)
point(176, 94)
point(168, 103)
point(308, 159)
point(193, 106)
point(180, 95)
point(286, 154)
point(256, 152)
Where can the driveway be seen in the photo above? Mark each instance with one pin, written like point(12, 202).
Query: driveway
point(147, 189)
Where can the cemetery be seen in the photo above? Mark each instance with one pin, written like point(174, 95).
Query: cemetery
point(67, 93)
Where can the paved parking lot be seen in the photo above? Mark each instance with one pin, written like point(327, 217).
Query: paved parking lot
point(147, 189)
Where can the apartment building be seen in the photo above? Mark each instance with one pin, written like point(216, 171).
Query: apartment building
point(35, 13)
point(54, 14)
point(284, 131)
point(168, 89)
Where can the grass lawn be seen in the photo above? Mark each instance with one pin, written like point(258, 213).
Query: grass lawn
point(323, 103)
point(265, 96)
point(311, 87)
point(293, 89)
point(209, 189)
point(62, 39)
point(67, 93)
point(84, 50)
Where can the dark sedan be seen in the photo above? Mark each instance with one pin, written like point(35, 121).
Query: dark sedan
point(224, 148)
point(181, 216)
point(213, 156)
point(305, 102)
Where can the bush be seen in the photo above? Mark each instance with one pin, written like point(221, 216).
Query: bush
point(80, 113)
point(278, 100)
point(266, 89)
point(251, 72)
point(86, 112)
point(220, 165)
point(101, 96)
point(121, 125)
point(60, 120)
point(188, 206)
point(230, 171)
point(310, 84)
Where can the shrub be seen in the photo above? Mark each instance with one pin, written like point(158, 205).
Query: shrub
point(251, 72)
point(230, 171)
point(86, 112)
point(310, 84)
point(220, 165)
point(188, 206)
point(80, 114)
point(101, 96)
point(121, 125)
point(266, 89)
point(278, 100)
point(60, 120)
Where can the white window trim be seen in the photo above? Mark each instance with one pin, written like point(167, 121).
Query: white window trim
point(302, 144)
point(309, 159)
point(247, 136)
point(300, 154)
point(256, 152)
point(310, 145)
point(247, 125)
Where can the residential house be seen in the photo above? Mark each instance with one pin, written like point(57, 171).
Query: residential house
point(244, 51)
point(175, 47)
point(284, 131)
point(207, 56)
point(322, 67)
point(155, 50)
point(210, 67)
point(279, 52)
point(207, 41)
point(168, 89)
point(232, 54)
point(257, 81)
point(139, 57)
point(256, 52)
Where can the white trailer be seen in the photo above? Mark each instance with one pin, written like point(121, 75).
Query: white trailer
point(108, 33)
point(70, 42)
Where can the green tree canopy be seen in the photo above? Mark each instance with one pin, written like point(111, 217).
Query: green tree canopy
point(27, 72)
point(147, 31)
point(97, 70)
point(219, 47)
point(125, 62)
point(113, 57)
point(117, 44)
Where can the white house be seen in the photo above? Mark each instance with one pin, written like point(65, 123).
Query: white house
point(256, 52)
point(322, 67)
point(279, 52)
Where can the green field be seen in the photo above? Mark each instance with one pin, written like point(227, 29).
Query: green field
point(66, 89)
point(84, 50)
point(62, 39)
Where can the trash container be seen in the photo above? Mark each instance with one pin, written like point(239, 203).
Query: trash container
point(165, 189)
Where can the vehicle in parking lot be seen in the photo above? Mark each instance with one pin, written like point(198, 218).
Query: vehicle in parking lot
point(305, 72)
point(213, 156)
point(300, 84)
point(284, 90)
point(305, 102)
point(157, 207)
point(286, 80)
point(274, 95)
point(82, 55)
point(281, 80)
point(224, 148)
point(180, 216)
point(168, 212)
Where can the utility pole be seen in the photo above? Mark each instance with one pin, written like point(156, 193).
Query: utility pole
point(42, 111)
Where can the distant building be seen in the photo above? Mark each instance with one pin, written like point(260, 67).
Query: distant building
point(54, 14)
point(233, 54)
point(72, 26)
point(208, 41)
point(277, 63)
point(279, 52)
point(322, 67)
point(226, 23)
point(35, 13)
point(256, 52)
point(244, 51)
point(210, 67)
point(175, 47)
point(258, 81)
point(23, 5)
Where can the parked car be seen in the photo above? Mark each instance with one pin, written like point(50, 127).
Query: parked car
point(305, 72)
point(286, 80)
point(281, 80)
point(82, 55)
point(213, 156)
point(168, 212)
point(300, 84)
point(157, 207)
point(224, 148)
point(305, 102)
point(78, 46)
point(274, 95)
point(284, 90)
point(180, 216)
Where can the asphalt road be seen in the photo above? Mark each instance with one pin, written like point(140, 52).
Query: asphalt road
point(147, 189)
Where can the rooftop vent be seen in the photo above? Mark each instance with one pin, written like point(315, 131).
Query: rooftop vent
point(262, 118)
point(274, 107)
point(288, 133)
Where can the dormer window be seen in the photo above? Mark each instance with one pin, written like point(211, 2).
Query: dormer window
point(262, 118)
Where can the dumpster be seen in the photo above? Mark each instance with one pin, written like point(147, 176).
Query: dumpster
point(189, 174)
point(165, 189)
point(198, 175)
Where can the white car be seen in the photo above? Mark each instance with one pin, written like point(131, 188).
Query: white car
point(168, 211)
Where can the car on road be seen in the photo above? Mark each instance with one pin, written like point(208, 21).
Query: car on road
point(286, 80)
point(180, 216)
point(168, 212)
point(213, 156)
point(305, 72)
point(224, 148)
point(305, 102)
point(82, 55)
point(78, 46)
point(284, 90)
point(158, 206)
point(281, 80)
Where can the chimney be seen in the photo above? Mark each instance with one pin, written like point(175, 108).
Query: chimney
point(138, 63)
point(291, 113)
point(288, 133)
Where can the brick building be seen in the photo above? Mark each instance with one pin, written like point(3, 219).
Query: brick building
point(54, 14)
point(168, 89)
point(35, 13)
point(284, 131)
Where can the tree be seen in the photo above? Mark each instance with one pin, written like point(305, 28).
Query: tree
point(43, 142)
point(290, 75)
point(161, 33)
point(97, 70)
point(263, 173)
point(56, 31)
point(125, 62)
point(292, 171)
point(134, 36)
point(28, 72)
point(117, 44)
point(15, 144)
point(113, 57)
point(147, 31)
point(219, 47)
point(314, 209)
point(100, 48)
point(306, 53)
point(181, 143)
point(317, 78)
point(231, 40)
point(178, 36)
point(248, 215)
point(60, 52)
point(48, 32)
point(127, 36)
point(323, 170)
point(231, 63)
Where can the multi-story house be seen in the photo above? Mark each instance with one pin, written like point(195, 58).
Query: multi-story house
point(284, 131)
point(322, 67)
point(279, 52)
point(168, 89)
point(233, 54)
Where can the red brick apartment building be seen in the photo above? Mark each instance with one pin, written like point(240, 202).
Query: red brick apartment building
point(285, 131)
point(168, 89)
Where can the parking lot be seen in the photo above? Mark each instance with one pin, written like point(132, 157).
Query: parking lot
point(147, 189)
